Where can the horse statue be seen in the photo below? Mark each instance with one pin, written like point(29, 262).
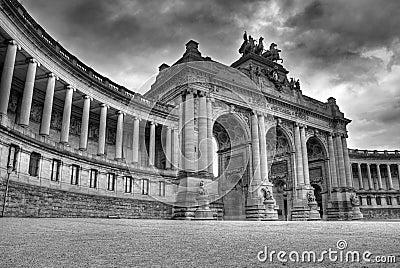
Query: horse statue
point(260, 47)
point(273, 53)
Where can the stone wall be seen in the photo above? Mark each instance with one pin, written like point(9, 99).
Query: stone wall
point(26, 200)
point(380, 213)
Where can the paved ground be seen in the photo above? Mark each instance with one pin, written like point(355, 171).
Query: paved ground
point(150, 243)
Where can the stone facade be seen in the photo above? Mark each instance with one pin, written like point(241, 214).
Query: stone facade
point(75, 144)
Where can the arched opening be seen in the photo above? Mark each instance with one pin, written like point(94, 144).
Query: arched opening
point(281, 169)
point(318, 170)
point(231, 167)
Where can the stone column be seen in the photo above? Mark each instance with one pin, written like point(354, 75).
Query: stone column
point(398, 175)
point(342, 172)
point(299, 155)
point(135, 142)
point(85, 123)
point(175, 149)
point(210, 145)
point(203, 131)
point(119, 135)
point(360, 178)
point(26, 102)
point(255, 152)
point(188, 126)
point(152, 145)
point(347, 165)
point(389, 177)
point(332, 161)
point(66, 119)
point(6, 76)
point(168, 148)
point(102, 130)
point(378, 171)
point(305, 156)
point(263, 149)
point(370, 184)
point(48, 106)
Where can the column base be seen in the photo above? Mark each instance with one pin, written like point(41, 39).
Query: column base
point(4, 121)
point(255, 210)
point(203, 212)
point(314, 212)
point(271, 213)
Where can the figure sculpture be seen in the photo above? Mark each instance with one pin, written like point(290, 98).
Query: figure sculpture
point(244, 44)
point(355, 201)
point(310, 197)
point(202, 190)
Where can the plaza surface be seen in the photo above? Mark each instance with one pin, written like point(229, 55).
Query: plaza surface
point(77, 242)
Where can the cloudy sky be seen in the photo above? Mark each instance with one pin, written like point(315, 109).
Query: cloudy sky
point(346, 49)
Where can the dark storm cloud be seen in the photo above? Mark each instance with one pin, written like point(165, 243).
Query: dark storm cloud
point(330, 45)
point(333, 31)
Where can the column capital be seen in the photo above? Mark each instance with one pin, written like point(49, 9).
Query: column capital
point(10, 42)
point(50, 74)
point(120, 112)
point(104, 105)
point(68, 87)
point(202, 93)
point(153, 123)
point(31, 60)
point(136, 117)
point(87, 97)
point(188, 91)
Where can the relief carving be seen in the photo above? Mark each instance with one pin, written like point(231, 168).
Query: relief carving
point(56, 120)
point(36, 111)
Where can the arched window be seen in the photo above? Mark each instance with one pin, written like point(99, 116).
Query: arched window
point(34, 162)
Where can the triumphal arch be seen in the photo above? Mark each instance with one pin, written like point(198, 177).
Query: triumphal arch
point(206, 141)
point(281, 154)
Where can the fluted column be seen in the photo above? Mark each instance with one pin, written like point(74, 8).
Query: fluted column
point(85, 123)
point(48, 106)
point(342, 172)
point(66, 119)
point(299, 155)
point(188, 126)
point(168, 149)
point(263, 149)
point(398, 175)
point(175, 149)
point(210, 136)
point(378, 171)
point(119, 135)
point(135, 142)
point(305, 156)
point(332, 161)
point(26, 102)
point(347, 165)
point(6, 76)
point(389, 177)
point(202, 140)
point(152, 145)
point(370, 184)
point(255, 143)
point(102, 130)
point(360, 178)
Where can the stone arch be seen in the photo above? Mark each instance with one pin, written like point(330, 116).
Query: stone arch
point(316, 148)
point(318, 171)
point(278, 133)
point(232, 135)
point(281, 168)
